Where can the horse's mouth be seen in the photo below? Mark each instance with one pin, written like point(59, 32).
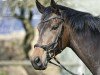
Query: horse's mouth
point(39, 68)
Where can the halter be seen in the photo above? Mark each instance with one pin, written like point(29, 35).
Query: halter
point(52, 46)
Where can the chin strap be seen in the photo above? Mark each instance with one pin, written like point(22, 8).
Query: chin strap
point(61, 66)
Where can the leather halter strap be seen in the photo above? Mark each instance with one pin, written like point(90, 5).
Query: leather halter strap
point(52, 18)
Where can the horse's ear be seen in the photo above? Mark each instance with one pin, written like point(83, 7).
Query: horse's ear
point(53, 4)
point(40, 6)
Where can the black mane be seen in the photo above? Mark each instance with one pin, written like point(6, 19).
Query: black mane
point(80, 20)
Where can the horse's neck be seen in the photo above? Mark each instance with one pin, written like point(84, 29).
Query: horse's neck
point(87, 47)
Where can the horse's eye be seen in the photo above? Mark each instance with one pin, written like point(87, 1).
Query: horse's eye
point(54, 27)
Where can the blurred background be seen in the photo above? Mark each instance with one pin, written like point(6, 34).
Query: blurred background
point(18, 22)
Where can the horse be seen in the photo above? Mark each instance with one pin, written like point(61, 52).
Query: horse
point(62, 27)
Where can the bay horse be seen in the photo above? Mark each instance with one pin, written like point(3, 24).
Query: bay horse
point(62, 27)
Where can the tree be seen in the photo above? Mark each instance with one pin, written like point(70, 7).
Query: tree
point(26, 22)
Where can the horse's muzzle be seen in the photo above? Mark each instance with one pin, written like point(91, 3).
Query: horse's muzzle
point(38, 64)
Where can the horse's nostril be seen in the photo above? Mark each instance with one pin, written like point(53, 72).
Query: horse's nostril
point(37, 61)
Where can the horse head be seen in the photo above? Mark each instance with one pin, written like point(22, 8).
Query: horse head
point(51, 39)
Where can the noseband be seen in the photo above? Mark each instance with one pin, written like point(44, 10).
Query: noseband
point(50, 47)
